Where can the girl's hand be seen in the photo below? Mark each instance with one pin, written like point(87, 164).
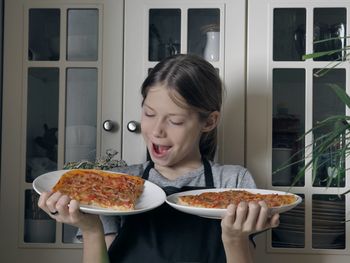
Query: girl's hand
point(65, 210)
point(244, 219)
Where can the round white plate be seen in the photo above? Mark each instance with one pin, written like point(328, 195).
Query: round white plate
point(152, 196)
point(217, 213)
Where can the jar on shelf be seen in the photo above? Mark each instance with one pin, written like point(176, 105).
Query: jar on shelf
point(212, 47)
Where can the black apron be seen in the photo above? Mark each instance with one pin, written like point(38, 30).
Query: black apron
point(165, 234)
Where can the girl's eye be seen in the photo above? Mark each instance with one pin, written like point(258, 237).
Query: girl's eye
point(149, 114)
point(176, 122)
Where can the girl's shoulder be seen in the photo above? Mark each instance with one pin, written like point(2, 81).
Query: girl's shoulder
point(228, 168)
point(231, 176)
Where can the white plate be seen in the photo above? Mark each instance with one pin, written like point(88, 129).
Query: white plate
point(152, 196)
point(217, 213)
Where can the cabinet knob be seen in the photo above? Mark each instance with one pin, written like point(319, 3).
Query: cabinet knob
point(108, 125)
point(133, 126)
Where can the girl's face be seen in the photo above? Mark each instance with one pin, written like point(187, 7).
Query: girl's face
point(172, 133)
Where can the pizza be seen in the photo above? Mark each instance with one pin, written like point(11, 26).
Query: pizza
point(225, 198)
point(101, 188)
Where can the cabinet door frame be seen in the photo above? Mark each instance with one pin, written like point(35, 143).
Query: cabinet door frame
point(259, 121)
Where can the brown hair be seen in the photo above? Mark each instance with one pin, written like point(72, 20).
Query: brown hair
point(198, 83)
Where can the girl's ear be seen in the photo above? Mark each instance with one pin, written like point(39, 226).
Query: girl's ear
point(211, 122)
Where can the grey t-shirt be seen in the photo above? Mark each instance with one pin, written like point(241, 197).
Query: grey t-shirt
point(224, 176)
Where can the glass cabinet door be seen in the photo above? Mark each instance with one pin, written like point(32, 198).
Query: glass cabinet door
point(164, 33)
point(203, 33)
point(169, 28)
point(46, 83)
point(58, 91)
point(292, 97)
point(168, 35)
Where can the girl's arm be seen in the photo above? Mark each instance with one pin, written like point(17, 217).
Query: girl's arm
point(241, 221)
point(238, 251)
point(94, 250)
point(109, 239)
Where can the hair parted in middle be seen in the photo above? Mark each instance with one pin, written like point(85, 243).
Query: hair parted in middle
point(198, 84)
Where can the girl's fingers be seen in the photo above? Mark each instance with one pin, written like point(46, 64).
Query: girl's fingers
point(275, 220)
point(241, 214)
point(74, 211)
point(247, 218)
point(229, 218)
point(73, 206)
point(42, 200)
point(253, 214)
point(62, 206)
point(65, 210)
point(52, 201)
point(263, 215)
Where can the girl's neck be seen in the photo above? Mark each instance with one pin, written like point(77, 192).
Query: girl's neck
point(173, 172)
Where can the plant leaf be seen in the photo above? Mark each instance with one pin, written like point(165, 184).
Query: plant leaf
point(323, 71)
point(341, 94)
point(330, 39)
point(320, 54)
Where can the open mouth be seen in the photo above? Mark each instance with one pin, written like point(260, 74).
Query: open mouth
point(160, 149)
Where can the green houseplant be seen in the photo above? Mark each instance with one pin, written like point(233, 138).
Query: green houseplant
point(331, 136)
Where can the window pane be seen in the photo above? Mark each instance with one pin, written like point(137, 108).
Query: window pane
point(204, 33)
point(82, 40)
point(44, 34)
point(288, 124)
point(164, 33)
point(38, 226)
point(328, 216)
point(42, 121)
point(326, 104)
point(291, 231)
point(330, 23)
point(81, 114)
point(289, 34)
point(69, 234)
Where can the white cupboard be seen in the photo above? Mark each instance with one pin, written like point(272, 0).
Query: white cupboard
point(284, 100)
point(78, 73)
point(60, 87)
point(72, 76)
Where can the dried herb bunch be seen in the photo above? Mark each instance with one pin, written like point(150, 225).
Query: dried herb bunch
point(106, 162)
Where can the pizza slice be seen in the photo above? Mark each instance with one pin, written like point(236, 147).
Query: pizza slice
point(225, 198)
point(101, 188)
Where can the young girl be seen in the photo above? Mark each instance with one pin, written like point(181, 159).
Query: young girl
point(182, 97)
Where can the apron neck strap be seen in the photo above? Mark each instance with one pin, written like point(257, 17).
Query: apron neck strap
point(145, 174)
point(209, 182)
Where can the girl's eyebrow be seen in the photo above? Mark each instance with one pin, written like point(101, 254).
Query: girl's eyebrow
point(170, 114)
point(147, 106)
point(178, 114)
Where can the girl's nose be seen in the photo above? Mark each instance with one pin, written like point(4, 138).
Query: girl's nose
point(158, 129)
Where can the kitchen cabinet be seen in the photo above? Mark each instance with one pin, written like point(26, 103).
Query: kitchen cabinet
point(284, 100)
point(63, 81)
point(154, 29)
point(73, 69)
point(51, 58)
